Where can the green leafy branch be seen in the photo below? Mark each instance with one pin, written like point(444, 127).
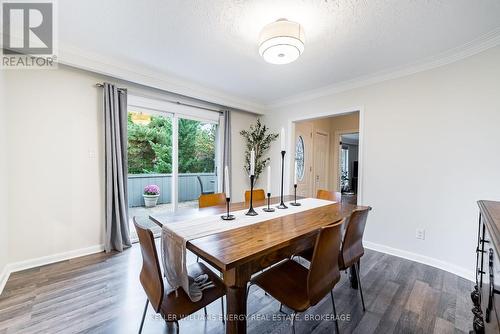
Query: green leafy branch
point(258, 139)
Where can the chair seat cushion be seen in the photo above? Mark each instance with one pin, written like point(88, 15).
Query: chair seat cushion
point(176, 307)
point(286, 282)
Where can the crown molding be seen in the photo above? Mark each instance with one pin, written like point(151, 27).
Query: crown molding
point(485, 42)
point(140, 74)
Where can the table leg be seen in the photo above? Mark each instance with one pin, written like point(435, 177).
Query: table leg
point(236, 288)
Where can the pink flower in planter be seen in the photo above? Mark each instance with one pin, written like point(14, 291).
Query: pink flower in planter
point(152, 189)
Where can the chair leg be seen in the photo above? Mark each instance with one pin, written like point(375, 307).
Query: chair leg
point(352, 277)
point(143, 316)
point(206, 314)
point(248, 288)
point(177, 326)
point(222, 307)
point(197, 259)
point(294, 314)
point(265, 292)
point(335, 313)
point(359, 285)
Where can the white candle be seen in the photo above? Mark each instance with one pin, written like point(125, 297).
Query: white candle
point(295, 174)
point(269, 179)
point(252, 162)
point(226, 181)
point(282, 137)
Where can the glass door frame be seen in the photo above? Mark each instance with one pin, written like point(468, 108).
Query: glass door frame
point(175, 163)
point(176, 112)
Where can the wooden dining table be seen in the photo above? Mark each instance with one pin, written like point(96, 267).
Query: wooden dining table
point(241, 252)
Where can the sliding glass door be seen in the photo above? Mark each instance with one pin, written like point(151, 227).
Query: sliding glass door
point(149, 164)
point(197, 160)
point(172, 157)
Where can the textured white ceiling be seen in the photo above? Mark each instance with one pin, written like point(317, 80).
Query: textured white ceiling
point(214, 43)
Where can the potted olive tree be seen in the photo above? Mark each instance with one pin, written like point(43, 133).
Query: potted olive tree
point(151, 194)
point(257, 138)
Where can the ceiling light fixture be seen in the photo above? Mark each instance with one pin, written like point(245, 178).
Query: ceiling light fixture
point(282, 42)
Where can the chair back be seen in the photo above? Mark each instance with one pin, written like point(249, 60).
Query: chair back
point(201, 184)
point(150, 277)
point(352, 246)
point(207, 200)
point(202, 188)
point(258, 195)
point(329, 195)
point(324, 269)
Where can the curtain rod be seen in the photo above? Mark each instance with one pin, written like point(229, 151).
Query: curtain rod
point(174, 102)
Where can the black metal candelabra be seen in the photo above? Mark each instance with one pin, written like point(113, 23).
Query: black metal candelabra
point(282, 203)
point(268, 209)
point(294, 203)
point(251, 211)
point(227, 216)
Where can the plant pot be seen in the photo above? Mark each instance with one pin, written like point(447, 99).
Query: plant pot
point(150, 200)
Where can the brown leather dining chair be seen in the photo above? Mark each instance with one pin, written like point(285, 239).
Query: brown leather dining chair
point(258, 195)
point(174, 305)
point(352, 246)
point(329, 195)
point(299, 288)
point(207, 200)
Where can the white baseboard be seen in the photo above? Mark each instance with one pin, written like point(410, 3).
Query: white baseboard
point(44, 260)
point(454, 269)
point(4, 276)
point(41, 261)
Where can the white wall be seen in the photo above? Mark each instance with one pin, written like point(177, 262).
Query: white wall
point(3, 183)
point(239, 180)
point(56, 161)
point(422, 164)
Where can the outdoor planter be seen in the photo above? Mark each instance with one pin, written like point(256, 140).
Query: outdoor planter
point(150, 195)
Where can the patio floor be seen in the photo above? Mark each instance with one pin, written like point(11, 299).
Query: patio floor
point(142, 214)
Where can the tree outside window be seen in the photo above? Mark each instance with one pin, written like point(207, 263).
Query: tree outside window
point(150, 146)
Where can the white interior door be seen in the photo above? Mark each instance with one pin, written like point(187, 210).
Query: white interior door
point(303, 136)
point(321, 156)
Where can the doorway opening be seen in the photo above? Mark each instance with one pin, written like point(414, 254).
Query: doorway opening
point(326, 152)
point(348, 165)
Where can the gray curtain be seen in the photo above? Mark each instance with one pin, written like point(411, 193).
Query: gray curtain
point(226, 149)
point(115, 110)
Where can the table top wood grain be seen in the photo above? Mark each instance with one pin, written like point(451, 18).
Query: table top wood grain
point(226, 250)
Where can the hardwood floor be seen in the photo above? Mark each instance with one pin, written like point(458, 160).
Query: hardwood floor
point(101, 294)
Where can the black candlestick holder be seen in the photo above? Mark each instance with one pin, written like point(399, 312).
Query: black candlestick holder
point(268, 209)
point(294, 203)
point(227, 216)
point(251, 211)
point(282, 202)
